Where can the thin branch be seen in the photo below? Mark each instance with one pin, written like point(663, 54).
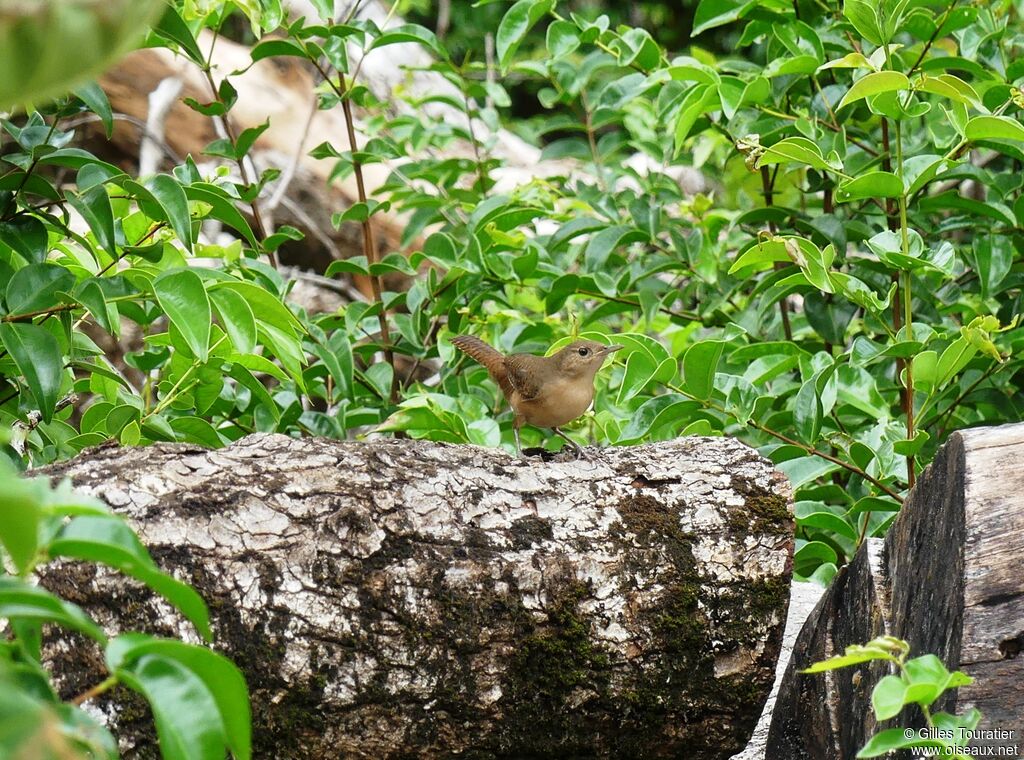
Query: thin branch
point(824, 455)
point(931, 40)
point(293, 163)
point(95, 691)
point(160, 101)
point(369, 247)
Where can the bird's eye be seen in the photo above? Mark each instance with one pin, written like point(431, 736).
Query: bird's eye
point(584, 351)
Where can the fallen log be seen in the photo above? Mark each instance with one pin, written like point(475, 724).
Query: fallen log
point(946, 579)
point(411, 599)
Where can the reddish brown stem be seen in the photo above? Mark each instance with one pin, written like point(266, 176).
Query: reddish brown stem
point(767, 186)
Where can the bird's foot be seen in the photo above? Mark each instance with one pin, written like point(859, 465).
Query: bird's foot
point(578, 454)
point(534, 453)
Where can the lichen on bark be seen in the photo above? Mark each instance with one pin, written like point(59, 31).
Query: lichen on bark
point(406, 599)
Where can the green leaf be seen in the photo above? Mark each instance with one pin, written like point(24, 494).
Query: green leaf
point(856, 654)
point(654, 413)
point(516, 22)
point(275, 48)
point(794, 150)
point(763, 254)
point(862, 14)
point(607, 240)
point(787, 65)
point(182, 296)
point(638, 49)
point(698, 100)
point(712, 13)
point(237, 317)
point(689, 69)
point(562, 38)
point(27, 236)
point(807, 412)
point(874, 83)
point(37, 287)
point(994, 128)
point(287, 349)
point(949, 86)
point(876, 184)
point(172, 28)
point(260, 395)
point(993, 258)
point(111, 541)
point(639, 371)
point(337, 357)
point(188, 722)
point(700, 362)
point(222, 208)
point(38, 357)
point(120, 416)
point(197, 430)
point(20, 601)
point(257, 363)
point(887, 698)
point(409, 33)
point(829, 522)
point(849, 61)
point(812, 554)
point(94, 207)
point(266, 307)
point(96, 101)
point(953, 359)
point(220, 676)
point(911, 447)
point(928, 678)
point(90, 295)
point(352, 265)
point(885, 742)
point(171, 197)
point(19, 524)
point(874, 504)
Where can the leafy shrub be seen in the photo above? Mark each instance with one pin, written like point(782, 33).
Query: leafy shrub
point(844, 296)
point(921, 682)
point(199, 699)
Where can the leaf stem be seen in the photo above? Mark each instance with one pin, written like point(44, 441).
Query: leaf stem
point(103, 686)
point(225, 120)
point(811, 450)
point(369, 247)
point(908, 313)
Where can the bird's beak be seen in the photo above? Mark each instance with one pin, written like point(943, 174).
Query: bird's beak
point(611, 349)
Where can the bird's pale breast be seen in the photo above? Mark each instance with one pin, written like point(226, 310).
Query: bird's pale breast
point(562, 401)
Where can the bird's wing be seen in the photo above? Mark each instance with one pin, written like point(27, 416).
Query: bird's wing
point(523, 374)
point(488, 356)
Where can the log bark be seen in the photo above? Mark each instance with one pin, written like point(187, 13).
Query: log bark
point(408, 599)
point(947, 579)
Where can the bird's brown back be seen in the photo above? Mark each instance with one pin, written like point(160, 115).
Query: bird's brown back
point(546, 391)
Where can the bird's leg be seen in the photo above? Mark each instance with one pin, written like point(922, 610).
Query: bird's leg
point(577, 451)
point(519, 446)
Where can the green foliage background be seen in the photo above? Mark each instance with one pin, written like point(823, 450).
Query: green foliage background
point(860, 238)
point(844, 295)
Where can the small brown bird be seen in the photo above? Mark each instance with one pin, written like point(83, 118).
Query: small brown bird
point(543, 391)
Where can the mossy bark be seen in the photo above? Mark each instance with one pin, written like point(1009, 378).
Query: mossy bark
point(405, 599)
point(946, 578)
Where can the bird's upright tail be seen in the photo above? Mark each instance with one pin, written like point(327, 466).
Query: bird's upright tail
point(488, 356)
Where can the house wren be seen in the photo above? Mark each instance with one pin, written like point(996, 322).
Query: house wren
point(543, 391)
